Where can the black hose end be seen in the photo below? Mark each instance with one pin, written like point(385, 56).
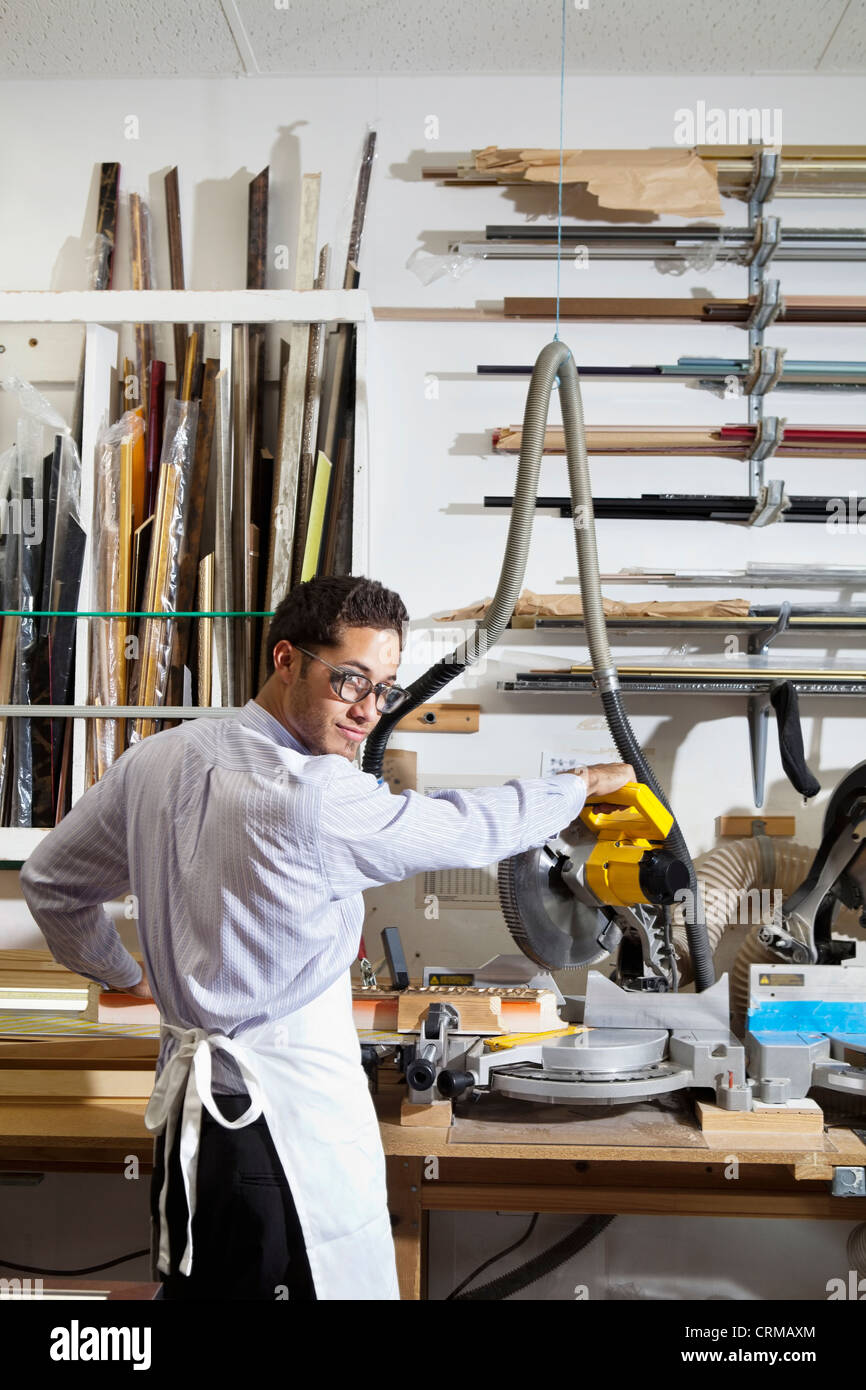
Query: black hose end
point(454, 1083)
point(420, 1074)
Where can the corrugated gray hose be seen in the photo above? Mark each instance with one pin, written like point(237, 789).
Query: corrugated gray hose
point(555, 360)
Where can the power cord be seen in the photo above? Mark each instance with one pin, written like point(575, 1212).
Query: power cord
point(90, 1269)
point(493, 1258)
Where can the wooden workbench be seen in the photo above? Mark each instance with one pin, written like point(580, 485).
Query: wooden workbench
point(646, 1161)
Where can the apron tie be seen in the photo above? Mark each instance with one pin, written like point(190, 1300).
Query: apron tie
point(184, 1085)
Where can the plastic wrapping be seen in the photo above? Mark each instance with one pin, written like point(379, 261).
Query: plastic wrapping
point(428, 267)
point(704, 257)
point(44, 561)
point(112, 522)
point(99, 255)
point(163, 572)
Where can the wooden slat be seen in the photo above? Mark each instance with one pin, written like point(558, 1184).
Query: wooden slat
point(185, 391)
point(142, 279)
point(205, 628)
point(175, 258)
point(240, 510)
point(745, 825)
point(316, 524)
point(102, 268)
point(405, 1181)
point(17, 1083)
point(223, 578)
point(257, 263)
point(312, 392)
point(637, 1201)
point(441, 718)
point(36, 1051)
point(155, 417)
point(287, 461)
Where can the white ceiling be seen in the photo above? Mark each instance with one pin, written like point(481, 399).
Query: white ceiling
point(224, 38)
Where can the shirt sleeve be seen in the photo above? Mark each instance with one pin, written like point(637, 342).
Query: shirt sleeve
point(81, 865)
point(369, 836)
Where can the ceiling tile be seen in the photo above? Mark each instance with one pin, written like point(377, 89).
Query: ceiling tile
point(207, 38)
point(491, 36)
point(116, 38)
point(846, 51)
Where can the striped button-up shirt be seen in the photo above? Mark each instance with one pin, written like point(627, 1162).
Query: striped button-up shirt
point(247, 857)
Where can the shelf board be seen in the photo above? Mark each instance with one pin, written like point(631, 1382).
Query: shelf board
point(116, 711)
point(184, 306)
point(16, 844)
point(817, 578)
point(656, 683)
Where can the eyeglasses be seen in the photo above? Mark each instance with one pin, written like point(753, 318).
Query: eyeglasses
point(352, 687)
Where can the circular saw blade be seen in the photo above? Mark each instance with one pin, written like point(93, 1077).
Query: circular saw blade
point(549, 924)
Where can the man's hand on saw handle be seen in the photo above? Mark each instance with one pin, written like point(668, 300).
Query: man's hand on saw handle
point(601, 778)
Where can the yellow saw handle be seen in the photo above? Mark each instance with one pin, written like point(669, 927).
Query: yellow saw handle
point(642, 817)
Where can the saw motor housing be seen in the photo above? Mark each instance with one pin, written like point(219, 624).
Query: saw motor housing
point(604, 883)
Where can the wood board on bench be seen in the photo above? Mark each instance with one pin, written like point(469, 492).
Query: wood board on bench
point(665, 1122)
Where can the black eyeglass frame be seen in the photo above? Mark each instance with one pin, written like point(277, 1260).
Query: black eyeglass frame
point(341, 674)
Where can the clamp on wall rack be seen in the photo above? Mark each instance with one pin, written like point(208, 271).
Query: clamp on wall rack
point(767, 306)
point(765, 370)
point(766, 241)
point(765, 176)
point(765, 295)
point(759, 642)
point(770, 497)
point(772, 501)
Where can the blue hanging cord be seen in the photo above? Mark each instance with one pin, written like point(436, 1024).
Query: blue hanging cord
point(561, 135)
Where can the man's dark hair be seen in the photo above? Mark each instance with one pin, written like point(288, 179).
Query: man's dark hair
point(317, 612)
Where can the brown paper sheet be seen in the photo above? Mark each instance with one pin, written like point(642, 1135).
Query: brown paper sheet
point(530, 604)
point(660, 181)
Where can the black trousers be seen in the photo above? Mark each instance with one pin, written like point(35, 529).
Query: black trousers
point(247, 1240)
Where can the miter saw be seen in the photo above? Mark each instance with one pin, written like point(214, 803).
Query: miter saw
point(606, 885)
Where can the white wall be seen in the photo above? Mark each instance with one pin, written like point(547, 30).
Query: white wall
point(430, 463)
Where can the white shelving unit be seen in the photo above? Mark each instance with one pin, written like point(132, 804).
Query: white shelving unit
point(101, 313)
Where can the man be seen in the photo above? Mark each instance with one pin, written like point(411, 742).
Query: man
point(248, 842)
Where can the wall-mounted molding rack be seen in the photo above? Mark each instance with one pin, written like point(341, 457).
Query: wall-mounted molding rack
point(805, 171)
point(738, 245)
point(753, 576)
point(770, 369)
point(771, 506)
point(763, 620)
point(754, 684)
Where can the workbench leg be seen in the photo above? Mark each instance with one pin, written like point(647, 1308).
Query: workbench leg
point(404, 1204)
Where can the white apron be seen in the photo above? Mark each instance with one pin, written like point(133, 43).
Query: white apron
point(304, 1074)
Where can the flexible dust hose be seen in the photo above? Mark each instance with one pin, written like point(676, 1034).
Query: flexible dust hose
point(501, 607)
point(604, 671)
point(555, 360)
